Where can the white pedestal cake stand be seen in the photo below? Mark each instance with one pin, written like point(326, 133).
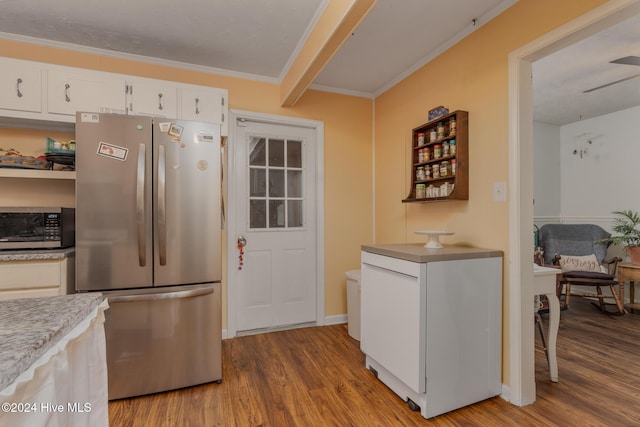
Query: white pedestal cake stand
point(434, 237)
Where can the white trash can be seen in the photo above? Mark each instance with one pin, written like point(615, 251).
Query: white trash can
point(353, 303)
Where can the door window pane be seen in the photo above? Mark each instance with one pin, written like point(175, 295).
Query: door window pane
point(257, 152)
point(257, 214)
point(294, 213)
point(276, 183)
point(276, 213)
point(294, 154)
point(276, 152)
point(294, 183)
point(257, 182)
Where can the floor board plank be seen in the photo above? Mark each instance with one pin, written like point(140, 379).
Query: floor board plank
point(316, 377)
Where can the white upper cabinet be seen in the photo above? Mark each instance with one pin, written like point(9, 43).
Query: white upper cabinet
point(204, 105)
point(52, 94)
point(83, 90)
point(21, 86)
point(152, 97)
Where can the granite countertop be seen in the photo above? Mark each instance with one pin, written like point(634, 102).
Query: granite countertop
point(416, 252)
point(30, 326)
point(36, 254)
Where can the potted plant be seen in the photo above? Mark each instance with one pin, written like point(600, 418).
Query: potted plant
point(626, 228)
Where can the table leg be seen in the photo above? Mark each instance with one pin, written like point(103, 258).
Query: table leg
point(632, 291)
point(554, 325)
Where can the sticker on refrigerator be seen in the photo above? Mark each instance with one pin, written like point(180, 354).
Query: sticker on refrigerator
point(175, 130)
point(164, 127)
point(112, 151)
point(90, 118)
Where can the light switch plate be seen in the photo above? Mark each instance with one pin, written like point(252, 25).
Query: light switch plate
point(500, 191)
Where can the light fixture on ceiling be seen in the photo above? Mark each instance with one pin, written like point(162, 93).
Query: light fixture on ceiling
point(626, 60)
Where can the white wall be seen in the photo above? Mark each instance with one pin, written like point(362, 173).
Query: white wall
point(585, 170)
point(599, 165)
point(546, 165)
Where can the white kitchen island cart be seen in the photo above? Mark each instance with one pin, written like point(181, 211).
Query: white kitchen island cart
point(431, 323)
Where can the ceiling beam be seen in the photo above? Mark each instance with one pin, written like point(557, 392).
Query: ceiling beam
point(338, 21)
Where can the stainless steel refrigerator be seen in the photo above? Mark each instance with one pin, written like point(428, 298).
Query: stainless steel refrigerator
point(148, 236)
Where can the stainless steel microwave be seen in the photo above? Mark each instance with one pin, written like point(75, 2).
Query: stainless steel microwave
point(33, 227)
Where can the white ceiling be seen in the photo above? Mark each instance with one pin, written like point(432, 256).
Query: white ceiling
point(560, 80)
point(258, 39)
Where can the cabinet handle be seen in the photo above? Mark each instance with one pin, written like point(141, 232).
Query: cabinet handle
point(66, 92)
point(160, 102)
point(197, 109)
point(18, 83)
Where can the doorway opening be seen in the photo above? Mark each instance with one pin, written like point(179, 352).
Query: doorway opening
point(521, 331)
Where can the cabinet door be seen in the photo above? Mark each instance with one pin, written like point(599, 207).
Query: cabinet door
point(393, 317)
point(204, 105)
point(69, 92)
point(26, 279)
point(21, 87)
point(152, 97)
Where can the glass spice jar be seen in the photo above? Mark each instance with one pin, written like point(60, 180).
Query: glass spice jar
point(445, 168)
point(437, 151)
point(452, 126)
point(453, 167)
point(452, 147)
point(420, 139)
point(440, 130)
point(427, 154)
point(433, 136)
point(420, 174)
point(435, 172)
point(445, 149)
point(420, 191)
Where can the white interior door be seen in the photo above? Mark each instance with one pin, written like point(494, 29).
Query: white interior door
point(275, 204)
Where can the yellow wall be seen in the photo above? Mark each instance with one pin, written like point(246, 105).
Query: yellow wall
point(348, 134)
point(470, 76)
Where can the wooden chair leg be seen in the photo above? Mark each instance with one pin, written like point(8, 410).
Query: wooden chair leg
point(600, 298)
point(567, 294)
point(619, 303)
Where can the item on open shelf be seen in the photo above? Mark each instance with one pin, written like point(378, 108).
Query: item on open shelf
point(438, 112)
point(12, 158)
point(61, 147)
point(446, 189)
point(68, 160)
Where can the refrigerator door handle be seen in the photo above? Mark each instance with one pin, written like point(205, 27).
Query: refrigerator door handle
point(160, 296)
point(140, 187)
point(162, 205)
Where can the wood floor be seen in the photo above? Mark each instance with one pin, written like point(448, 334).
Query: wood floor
point(316, 377)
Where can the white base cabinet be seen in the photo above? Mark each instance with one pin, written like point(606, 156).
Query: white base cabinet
point(37, 277)
point(431, 329)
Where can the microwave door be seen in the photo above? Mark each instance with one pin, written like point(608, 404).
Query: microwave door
point(113, 199)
